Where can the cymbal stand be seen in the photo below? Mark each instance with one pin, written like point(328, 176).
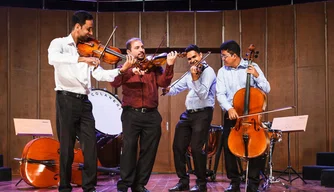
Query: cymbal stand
point(271, 179)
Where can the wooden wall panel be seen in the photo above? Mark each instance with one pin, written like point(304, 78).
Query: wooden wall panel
point(253, 31)
point(209, 29)
point(311, 79)
point(104, 28)
point(52, 25)
point(281, 67)
point(24, 75)
point(153, 29)
point(231, 30)
point(330, 60)
point(4, 130)
point(181, 29)
point(177, 107)
point(127, 27)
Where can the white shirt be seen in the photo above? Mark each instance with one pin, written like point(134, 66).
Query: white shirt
point(71, 75)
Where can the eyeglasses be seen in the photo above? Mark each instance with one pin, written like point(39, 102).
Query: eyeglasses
point(225, 56)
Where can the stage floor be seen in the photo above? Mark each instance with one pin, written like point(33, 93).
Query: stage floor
point(161, 183)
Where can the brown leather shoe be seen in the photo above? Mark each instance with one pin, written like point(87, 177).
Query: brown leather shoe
point(233, 188)
point(179, 187)
point(199, 188)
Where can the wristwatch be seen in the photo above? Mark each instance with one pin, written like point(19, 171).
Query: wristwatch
point(119, 72)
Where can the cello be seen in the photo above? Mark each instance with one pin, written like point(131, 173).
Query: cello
point(39, 164)
point(248, 139)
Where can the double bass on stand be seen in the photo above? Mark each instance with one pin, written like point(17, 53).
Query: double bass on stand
point(248, 139)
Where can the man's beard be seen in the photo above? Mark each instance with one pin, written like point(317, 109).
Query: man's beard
point(83, 38)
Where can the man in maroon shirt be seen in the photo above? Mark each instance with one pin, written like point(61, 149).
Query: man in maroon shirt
point(140, 117)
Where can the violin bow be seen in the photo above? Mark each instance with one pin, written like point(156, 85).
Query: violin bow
point(105, 46)
point(271, 111)
point(156, 51)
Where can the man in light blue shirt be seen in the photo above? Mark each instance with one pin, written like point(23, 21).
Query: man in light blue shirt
point(194, 124)
point(232, 77)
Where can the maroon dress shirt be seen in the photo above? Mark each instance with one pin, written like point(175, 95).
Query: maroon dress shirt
point(142, 90)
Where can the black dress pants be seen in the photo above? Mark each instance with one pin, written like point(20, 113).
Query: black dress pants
point(192, 129)
point(75, 118)
point(232, 170)
point(147, 128)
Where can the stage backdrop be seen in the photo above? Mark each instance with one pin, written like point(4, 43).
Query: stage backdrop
point(295, 44)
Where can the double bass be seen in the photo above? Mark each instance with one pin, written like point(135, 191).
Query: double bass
point(248, 139)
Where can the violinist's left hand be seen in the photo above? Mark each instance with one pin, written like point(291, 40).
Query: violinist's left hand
point(171, 57)
point(251, 69)
point(194, 72)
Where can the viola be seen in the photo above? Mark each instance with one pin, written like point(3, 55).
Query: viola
point(39, 164)
point(248, 139)
point(93, 48)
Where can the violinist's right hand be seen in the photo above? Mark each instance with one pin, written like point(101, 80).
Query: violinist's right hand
point(232, 114)
point(91, 61)
point(165, 91)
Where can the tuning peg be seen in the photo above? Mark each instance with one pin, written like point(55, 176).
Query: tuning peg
point(257, 52)
point(256, 56)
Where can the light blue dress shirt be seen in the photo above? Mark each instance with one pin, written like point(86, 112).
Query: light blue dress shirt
point(201, 92)
point(230, 80)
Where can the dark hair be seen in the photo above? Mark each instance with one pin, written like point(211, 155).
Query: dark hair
point(128, 43)
point(192, 47)
point(231, 47)
point(80, 17)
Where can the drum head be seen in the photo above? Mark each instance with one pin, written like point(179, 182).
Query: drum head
point(107, 110)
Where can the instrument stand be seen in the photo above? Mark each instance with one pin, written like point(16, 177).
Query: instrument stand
point(290, 170)
point(271, 179)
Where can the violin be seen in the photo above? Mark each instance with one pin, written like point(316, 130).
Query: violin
point(93, 48)
point(155, 61)
point(39, 164)
point(248, 139)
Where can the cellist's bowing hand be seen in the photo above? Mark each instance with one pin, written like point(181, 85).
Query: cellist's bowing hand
point(171, 57)
point(232, 114)
point(251, 69)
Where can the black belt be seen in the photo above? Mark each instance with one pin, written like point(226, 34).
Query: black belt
point(142, 110)
point(198, 110)
point(76, 95)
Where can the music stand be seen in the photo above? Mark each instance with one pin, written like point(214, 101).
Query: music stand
point(32, 127)
point(290, 124)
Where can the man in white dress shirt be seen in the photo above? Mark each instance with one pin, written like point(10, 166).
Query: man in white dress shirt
point(74, 110)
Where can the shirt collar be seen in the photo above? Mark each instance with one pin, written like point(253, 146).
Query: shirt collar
point(70, 40)
point(243, 64)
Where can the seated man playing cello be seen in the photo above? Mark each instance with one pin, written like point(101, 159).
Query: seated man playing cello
point(232, 77)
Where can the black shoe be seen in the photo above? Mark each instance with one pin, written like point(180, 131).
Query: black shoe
point(233, 188)
point(122, 190)
point(139, 189)
point(179, 187)
point(199, 188)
